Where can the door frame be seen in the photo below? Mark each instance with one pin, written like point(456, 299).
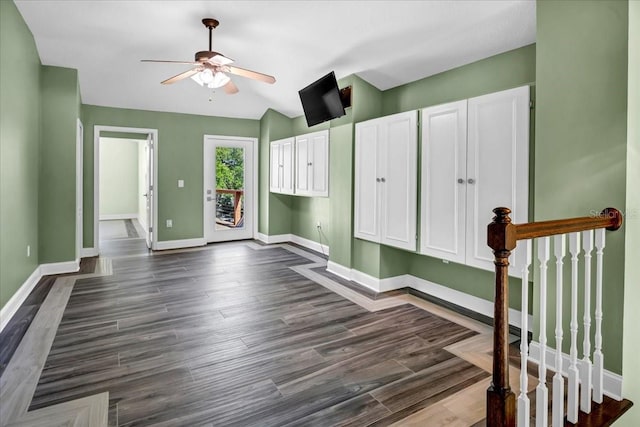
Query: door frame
point(97, 129)
point(79, 189)
point(254, 147)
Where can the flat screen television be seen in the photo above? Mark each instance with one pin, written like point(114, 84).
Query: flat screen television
point(321, 100)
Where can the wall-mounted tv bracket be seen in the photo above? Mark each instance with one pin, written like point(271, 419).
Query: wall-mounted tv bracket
point(345, 96)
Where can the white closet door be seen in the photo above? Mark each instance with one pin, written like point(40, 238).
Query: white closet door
point(444, 181)
point(399, 176)
point(287, 166)
point(367, 181)
point(319, 160)
point(497, 167)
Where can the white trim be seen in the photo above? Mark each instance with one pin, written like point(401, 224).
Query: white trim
point(310, 244)
point(462, 299)
point(79, 187)
point(19, 297)
point(109, 217)
point(275, 238)
point(178, 244)
point(611, 384)
point(97, 129)
point(88, 252)
point(60, 267)
point(339, 270)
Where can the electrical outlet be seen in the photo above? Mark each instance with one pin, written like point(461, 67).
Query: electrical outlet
point(28, 250)
point(319, 224)
point(169, 223)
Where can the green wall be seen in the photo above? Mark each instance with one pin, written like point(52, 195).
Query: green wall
point(581, 133)
point(19, 150)
point(118, 176)
point(179, 149)
point(631, 344)
point(57, 192)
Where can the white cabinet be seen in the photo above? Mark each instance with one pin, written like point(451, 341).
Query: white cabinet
point(281, 166)
point(312, 164)
point(475, 157)
point(386, 180)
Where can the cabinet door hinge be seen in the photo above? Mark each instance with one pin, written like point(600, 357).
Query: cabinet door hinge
point(532, 105)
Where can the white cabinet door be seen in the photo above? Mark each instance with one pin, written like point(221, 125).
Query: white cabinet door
point(312, 165)
point(275, 176)
point(320, 164)
point(443, 181)
point(386, 180)
point(367, 181)
point(302, 165)
point(287, 166)
point(497, 168)
point(281, 166)
point(399, 176)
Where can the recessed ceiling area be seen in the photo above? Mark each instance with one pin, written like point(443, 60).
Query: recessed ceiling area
point(387, 43)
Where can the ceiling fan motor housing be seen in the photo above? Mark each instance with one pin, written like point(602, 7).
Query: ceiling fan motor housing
point(205, 55)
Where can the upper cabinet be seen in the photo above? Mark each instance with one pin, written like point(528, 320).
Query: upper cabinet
point(281, 166)
point(386, 180)
point(300, 165)
point(475, 157)
point(312, 164)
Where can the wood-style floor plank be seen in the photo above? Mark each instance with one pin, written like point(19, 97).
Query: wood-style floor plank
point(235, 335)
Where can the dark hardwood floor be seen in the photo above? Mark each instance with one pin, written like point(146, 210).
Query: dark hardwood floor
point(230, 335)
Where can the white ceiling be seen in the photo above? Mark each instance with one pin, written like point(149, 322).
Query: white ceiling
point(387, 43)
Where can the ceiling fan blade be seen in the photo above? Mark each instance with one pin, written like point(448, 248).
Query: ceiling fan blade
point(169, 62)
point(230, 88)
point(252, 74)
point(181, 76)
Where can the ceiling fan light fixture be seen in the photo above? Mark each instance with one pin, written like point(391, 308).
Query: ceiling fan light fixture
point(207, 78)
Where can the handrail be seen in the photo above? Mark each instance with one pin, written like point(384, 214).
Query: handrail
point(502, 237)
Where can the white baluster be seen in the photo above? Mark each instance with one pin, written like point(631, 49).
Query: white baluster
point(585, 390)
point(557, 412)
point(598, 357)
point(523, 399)
point(572, 392)
point(542, 394)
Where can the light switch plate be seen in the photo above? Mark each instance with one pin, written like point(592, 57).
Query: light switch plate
point(180, 183)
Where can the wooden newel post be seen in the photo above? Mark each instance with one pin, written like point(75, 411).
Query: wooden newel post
point(501, 401)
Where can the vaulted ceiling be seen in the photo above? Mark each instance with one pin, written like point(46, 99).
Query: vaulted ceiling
point(387, 43)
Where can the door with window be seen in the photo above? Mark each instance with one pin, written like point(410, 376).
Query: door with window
point(228, 188)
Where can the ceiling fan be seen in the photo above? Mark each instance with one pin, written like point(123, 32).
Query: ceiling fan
point(211, 67)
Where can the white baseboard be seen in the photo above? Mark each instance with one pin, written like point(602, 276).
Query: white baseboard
point(339, 270)
point(179, 244)
point(293, 238)
point(274, 238)
point(88, 252)
point(611, 382)
point(310, 244)
point(19, 297)
point(108, 217)
point(462, 299)
point(60, 267)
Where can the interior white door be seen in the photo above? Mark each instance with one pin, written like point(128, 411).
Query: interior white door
point(367, 181)
point(444, 181)
point(228, 185)
point(497, 168)
point(399, 175)
point(150, 191)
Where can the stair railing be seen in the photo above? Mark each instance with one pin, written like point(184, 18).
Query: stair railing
point(502, 237)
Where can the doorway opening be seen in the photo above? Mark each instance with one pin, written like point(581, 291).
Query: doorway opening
point(124, 183)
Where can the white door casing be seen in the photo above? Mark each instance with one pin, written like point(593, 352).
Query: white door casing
point(247, 229)
point(150, 190)
point(79, 188)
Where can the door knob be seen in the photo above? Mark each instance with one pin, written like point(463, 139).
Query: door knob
point(377, 179)
point(460, 181)
point(471, 181)
point(383, 180)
